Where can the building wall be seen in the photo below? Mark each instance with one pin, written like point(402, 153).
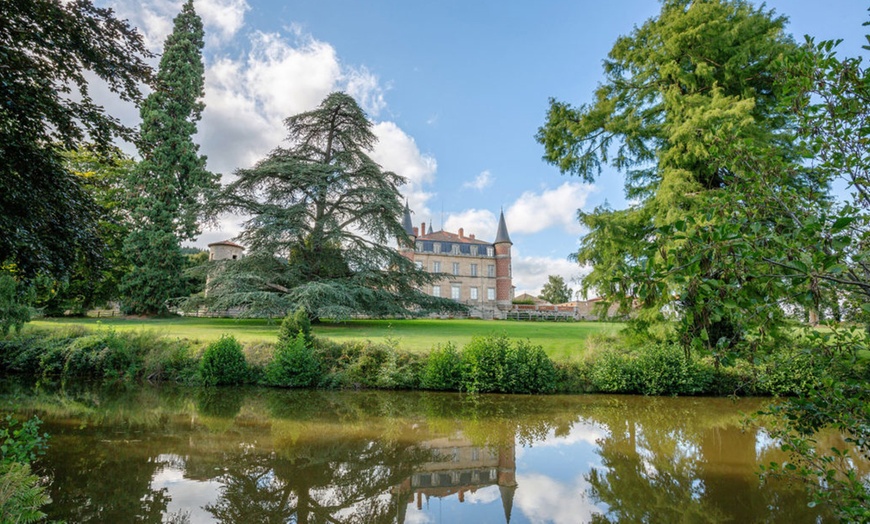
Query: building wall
point(224, 252)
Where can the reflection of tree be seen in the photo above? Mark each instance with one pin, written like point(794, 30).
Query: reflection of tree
point(102, 483)
point(319, 480)
point(668, 464)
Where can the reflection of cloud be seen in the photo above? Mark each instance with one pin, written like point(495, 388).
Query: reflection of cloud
point(483, 495)
point(415, 516)
point(543, 499)
point(186, 495)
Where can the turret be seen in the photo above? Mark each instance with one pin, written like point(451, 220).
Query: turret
point(503, 277)
point(407, 248)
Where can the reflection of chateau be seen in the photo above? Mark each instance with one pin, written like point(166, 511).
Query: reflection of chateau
point(460, 468)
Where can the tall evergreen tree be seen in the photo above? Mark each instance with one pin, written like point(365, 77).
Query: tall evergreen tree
point(170, 186)
point(323, 216)
point(678, 89)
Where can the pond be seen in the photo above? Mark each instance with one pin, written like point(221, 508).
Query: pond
point(168, 454)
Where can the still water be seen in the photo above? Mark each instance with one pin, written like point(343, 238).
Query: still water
point(165, 454)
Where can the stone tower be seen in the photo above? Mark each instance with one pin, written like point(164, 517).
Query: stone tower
point(502, 244)
point(407, 250)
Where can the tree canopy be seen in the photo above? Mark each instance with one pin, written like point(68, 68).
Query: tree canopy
point(678, 90)
point(323, 217)
point(170, 187)
point(556, 291)
point(47, 220)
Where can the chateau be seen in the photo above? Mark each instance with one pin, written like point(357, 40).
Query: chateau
point(476, 272)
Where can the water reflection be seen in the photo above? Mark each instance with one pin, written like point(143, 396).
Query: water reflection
point(251, 455)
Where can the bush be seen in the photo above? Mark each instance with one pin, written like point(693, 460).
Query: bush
point(294, 364)
point(443, 368)
point(492, 364)
point(293, 324)
point(223, 363)
point(14, 311)
point(664, 369)
point(613, 372)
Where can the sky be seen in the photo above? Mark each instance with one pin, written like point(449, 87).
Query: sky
point(456, 91)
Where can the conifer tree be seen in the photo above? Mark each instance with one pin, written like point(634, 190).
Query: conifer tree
point(323, 216)
point(170, 187)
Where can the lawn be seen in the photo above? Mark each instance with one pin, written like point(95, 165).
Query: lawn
point(561, 340)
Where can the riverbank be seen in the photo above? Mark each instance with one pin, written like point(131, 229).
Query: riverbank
point(607, 363)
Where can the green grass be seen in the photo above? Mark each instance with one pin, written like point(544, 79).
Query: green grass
point(561, 340)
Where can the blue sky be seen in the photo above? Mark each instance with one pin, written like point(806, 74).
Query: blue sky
point(456, 89)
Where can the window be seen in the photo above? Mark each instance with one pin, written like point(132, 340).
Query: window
point(454, 292)
point(456, 268)
point(436, 267)
point(454, 249)
point(473, 292)
point(436, 291)
point(490, 252)
point(474, 270)
point(419, 264)
point(474, 250)
point(490, 293)
point(436, 247)
point(490, 270)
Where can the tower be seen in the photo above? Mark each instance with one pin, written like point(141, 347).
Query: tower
point(407, 248)
point(503, 284)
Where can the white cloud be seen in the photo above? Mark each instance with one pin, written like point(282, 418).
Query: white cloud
point(533, 212)
point(482, 223)
point(224, 16)
point(530, 273)
point(396, 151)
point(365, 88)
point(481, 181)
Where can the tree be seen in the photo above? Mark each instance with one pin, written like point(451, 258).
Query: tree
point(47, 220)
point(676, 89)
point(170, 187)
point(102, 176)
point(556, 291)
point(323, 215)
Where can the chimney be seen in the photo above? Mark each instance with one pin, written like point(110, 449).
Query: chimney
point(471, 237)
point(416, 231)
point(423, 229)
point(461, 232)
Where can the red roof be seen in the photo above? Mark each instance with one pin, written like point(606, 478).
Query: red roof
point(226, 243)
point(444, 236)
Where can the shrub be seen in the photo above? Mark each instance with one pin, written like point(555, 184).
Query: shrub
point(613, 372)
point(223, 363)
point(293, 324)
point(443, 368)
point(492, 364)
point(401, 370)
point(664, 369)
point(293, 365)
point(14, 311)
point(23, 444)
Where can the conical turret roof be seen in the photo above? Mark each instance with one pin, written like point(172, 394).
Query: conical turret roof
point(502, 235)
point(406, 221)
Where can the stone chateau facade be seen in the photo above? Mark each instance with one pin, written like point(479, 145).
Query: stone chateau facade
point(476, 272)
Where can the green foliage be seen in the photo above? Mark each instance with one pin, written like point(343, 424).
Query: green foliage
point(679, 89)
point(104, 354)
point(493, 365)
point(293, 324)
point(223, 363)
point(48, 220)
point(21, 494)
point(556, 291)
point(14, 309)
point(21, 444)
point(327, 208)
point(654, 369)
point(168, 190)
point(102, 175)
point(294, 364)
point(443, 369)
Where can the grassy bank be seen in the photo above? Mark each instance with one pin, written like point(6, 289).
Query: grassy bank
point(560, 340)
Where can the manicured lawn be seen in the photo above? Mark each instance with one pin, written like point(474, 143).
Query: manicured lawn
point(561, 340)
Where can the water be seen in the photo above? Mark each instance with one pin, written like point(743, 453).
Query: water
point(165, 454)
